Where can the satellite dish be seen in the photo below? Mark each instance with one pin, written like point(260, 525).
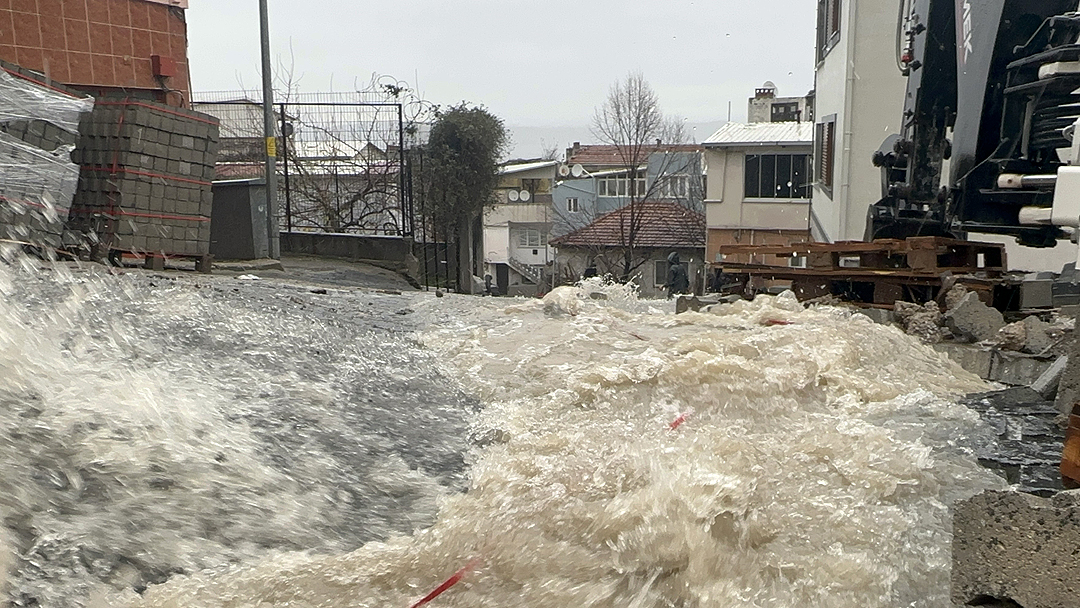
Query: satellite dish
point(577, 171)
point(525, 196)
point(564, 171)
point(512, 195)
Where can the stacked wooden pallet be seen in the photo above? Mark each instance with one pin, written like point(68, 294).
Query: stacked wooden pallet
point(880, 272)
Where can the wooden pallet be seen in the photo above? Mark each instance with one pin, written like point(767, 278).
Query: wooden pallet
point(156, 261)
point(878, 273)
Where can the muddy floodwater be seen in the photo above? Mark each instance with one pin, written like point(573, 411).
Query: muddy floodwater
point(187, 441)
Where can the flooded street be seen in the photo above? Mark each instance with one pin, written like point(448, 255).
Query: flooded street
point(312, 449)
point(162, 424)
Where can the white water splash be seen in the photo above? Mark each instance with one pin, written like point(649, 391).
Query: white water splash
point(812, 463)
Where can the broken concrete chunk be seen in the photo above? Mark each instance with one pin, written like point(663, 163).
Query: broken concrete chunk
point(974, 321)
point(1047, 384)
point(1038, 335)
point(923, 322)
point(1016, 547)
point(1032, 335)
point(955, 295)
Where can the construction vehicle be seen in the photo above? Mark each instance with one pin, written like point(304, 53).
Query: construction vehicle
point(989, 141)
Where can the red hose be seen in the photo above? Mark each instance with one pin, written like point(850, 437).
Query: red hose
point(448, 583)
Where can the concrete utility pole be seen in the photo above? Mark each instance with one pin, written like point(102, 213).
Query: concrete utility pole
point(273, 234)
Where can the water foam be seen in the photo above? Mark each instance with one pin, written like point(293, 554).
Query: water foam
point(151, 427)
point(758, 455)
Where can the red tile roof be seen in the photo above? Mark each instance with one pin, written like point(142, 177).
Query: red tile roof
point(661, 224)
point(597, 155)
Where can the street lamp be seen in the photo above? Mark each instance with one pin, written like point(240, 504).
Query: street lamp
point(273, 236)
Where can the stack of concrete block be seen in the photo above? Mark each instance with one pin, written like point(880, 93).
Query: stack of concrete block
point(38, 126)
point(146, 178)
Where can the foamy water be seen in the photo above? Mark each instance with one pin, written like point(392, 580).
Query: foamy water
point(757, 455)
point(151, 427)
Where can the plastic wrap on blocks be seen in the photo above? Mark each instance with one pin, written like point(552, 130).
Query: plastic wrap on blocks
point(22, 100)
point(36, 188)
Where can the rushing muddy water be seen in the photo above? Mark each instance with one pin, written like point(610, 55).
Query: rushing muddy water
point(267, 446)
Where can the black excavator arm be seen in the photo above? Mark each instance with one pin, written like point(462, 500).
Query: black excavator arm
point(993, 92)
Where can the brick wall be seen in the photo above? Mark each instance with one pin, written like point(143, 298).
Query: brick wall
point(101, 46)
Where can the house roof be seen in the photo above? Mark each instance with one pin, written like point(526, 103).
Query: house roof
point(735, 134)
point(663, 224)
point(509, 169)
point(593, 155)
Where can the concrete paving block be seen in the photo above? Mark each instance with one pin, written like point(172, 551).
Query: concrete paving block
point(1010, 546)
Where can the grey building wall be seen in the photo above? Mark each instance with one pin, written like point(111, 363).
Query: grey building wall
point(591, 205)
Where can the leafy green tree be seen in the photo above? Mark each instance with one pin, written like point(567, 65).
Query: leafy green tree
point(463, 153)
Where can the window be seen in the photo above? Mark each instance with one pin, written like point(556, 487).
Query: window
point(828, 26)
point(798, 261)
point(785, 112)
point(530, 184)
point(660, 268)
point(572, 205)
point(528, 238)
point(620, 186)
point(777, 176)
point(674, 186)
point(825, 151)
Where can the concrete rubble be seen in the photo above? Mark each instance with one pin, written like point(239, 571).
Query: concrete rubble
point(1016, 547)
point(923, 322)
point(973, 321)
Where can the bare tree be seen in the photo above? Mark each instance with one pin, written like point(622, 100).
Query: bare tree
point(631, 121)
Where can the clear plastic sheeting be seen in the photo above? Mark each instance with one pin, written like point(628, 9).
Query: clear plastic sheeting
point(21, 99)
point(36, 190)
point(760, 455)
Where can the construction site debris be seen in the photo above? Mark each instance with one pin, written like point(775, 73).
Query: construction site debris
point(973, 321)
point(1015, 547)
point(1025, 447)
point(1047, 383)
point(955, 295)
point(1031, 335)
point(923, 322)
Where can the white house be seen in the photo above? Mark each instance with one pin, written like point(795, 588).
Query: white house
point(517, 229)
point(859, 102)
point(758, 185)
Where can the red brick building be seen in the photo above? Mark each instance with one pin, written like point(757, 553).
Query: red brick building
point(135, 48)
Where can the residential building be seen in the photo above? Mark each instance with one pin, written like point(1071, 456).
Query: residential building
point(595, 180)
point(133, 48)
point(662, 227)
point(859, 103)
point(517, 228)
point(759, 186)
point(765, 106)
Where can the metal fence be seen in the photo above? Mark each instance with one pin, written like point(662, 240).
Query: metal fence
point(347, 163)
point(342, 157)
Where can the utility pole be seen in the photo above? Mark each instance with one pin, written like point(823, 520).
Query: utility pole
point(272, 231)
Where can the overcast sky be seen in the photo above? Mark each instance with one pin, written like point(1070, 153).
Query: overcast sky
point(541, 66)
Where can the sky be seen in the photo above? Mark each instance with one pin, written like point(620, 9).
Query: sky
point(543, 67)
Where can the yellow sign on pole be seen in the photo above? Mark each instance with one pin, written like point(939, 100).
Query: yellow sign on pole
point(271, 147)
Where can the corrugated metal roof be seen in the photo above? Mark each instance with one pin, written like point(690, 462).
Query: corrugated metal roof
point(762, 133)
point(523, 167)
